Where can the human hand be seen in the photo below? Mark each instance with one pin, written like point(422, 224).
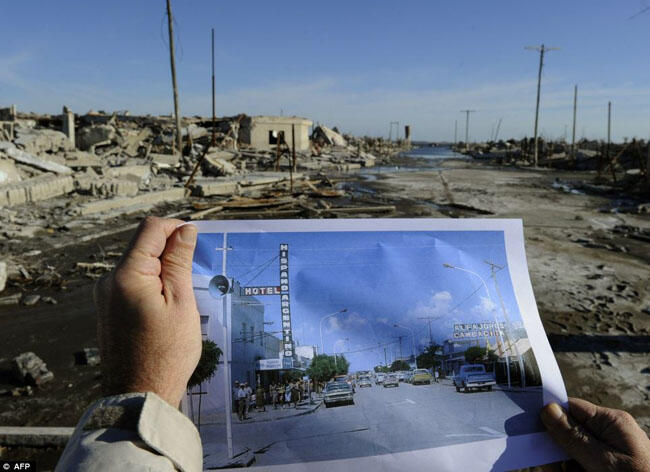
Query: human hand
point(148, 326)
point(599, 439)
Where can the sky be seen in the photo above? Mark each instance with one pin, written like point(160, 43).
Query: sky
point(356, 65)
point(381, 279)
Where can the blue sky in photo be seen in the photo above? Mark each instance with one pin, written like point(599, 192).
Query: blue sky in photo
point(357, 65)
point(381, 278)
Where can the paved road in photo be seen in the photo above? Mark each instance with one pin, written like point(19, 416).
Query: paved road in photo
point(385, 420)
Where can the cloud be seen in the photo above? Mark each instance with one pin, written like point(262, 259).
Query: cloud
point(484, 308)
point(438, 304)
point(349, 322)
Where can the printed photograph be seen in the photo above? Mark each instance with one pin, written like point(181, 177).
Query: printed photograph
point(333, 345)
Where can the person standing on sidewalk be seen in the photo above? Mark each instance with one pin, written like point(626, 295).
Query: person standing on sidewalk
point(241, 403)
point(274, 396)
point(247, 401)
point(259, 398)
point(287, 394)
point(235, 391)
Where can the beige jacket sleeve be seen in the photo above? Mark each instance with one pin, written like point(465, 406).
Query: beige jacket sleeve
point(134, 432)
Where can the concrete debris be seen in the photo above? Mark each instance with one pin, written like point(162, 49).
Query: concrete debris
point(11, 299)
point(31, 300)
point(324, 135)
point(218, 166)
point(8, 172)
point(25, 158)
point(35, 189)
point(40, 141)
point(145, 200)
point(89, 356)
point(30, 369)
point(89, 137)
point(3, 275)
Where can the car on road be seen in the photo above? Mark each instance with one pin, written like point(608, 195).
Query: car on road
point(400, 376)
point(338, 392)
point(473, 376)
point(380, 379)
point(421, 376)
point(391, 381)
point(365, 382)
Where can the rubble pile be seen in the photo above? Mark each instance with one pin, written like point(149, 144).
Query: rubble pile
point(68, 178)
point(30, 369)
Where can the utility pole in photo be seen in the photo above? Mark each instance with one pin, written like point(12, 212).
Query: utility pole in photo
point(467, 112)
point(542, 50)
point(494, 268)
point(170, 21)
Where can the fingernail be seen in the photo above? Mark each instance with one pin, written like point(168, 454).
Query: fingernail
point(187, 233)
point(553, 412)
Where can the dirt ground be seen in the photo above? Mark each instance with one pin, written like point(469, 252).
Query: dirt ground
point(590, 280)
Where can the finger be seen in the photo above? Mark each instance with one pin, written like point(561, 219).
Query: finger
point(582, 410)
point(151, 236)
point(176, 265)
point(572, 437)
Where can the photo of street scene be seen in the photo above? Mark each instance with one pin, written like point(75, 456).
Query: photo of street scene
point(347, 344)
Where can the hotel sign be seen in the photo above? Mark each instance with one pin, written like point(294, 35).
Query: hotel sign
point(478, 330)
point(285, 308)
point(255, 291)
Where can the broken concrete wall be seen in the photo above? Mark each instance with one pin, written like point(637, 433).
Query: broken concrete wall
point(35, 189)
point(8, 172)
point(258, 131)
point(91, 136)
point(39, 141)
point(325, 136)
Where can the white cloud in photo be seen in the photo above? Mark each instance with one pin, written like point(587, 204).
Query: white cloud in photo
point(437, 304)
point(484, 308)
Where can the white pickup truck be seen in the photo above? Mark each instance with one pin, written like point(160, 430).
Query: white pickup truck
point(473, 376)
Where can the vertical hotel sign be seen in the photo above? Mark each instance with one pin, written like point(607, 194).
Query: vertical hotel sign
point(287, 337)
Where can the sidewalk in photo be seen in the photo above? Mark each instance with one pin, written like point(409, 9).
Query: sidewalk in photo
point(502, 387)
point(271, 414)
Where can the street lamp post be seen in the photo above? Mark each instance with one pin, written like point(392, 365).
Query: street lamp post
point(322, 349)
point(412, 341)
point(449, 266)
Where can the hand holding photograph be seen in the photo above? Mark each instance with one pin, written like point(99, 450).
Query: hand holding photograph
point(385, 343)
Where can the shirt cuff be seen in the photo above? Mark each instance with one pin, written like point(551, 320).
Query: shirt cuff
point(162, 427)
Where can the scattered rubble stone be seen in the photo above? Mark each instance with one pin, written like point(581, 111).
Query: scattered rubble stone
point(50, 300)
point(3, 275)
point(89, 356)
point(31, 299)
point(30, 369)
point(11, 299)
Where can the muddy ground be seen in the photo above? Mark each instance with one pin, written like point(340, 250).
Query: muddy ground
point(590, 279)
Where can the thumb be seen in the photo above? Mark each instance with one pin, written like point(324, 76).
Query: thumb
point(572, 437)
point(176, 265)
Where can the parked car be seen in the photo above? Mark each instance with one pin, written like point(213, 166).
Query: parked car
point(421, 376)
point(380, 379)
point(338, 392)
point(365, 382)
point(391, 381)
point(473, 376)
point(400, 376)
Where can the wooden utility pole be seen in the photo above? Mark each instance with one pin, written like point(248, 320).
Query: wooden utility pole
point(293, 156)
point(542, 50)
point(214, 116)
point(467, 112)
point(179, 143)
point(575, 111)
